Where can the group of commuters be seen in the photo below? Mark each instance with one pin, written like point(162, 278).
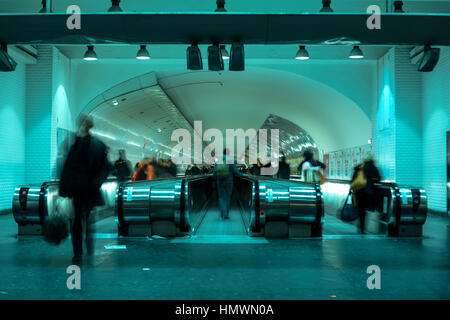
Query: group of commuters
point(151, 169)
point(364, 197)
point(87, 167)
point(194, 170)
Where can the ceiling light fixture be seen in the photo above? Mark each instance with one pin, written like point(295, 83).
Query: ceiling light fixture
point(194, 58)
point(356, 53)
point(46, 6)
point(7, 63)
point(302, 54)
point(237, 58)
point(326, 6)
point(215, 61)
point(220, 6)
point(115, 102)
point(90, 54)
point(143, 53)
point(224, 52)
point(115, 6)
point(398, 7)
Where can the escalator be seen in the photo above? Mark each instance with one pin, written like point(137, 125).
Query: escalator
point(261, 207)
point(213, 224)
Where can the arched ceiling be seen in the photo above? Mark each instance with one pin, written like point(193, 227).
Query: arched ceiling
point(230, 100)
point(223, 100)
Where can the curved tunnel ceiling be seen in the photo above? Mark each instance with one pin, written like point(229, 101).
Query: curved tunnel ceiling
point(137, 116)
point(230, 100)
point(151, 106)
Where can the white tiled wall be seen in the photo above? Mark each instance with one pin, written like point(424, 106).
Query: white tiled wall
point(12, 133)
point(408, 124)
point(39, 117)
point(383, 119)
point(436, 113)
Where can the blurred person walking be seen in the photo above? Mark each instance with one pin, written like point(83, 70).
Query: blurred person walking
point(310, 169)
point(84, 171)
point(365, 175)
point(284, 169)
point(122, 167)
point(223, 173)
point(145, 171)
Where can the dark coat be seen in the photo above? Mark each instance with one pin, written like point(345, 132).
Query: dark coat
point(284, 170)
point(85, 170)
point(372, 175)
point(122, 169)
point(195, 171)
point(367, 197)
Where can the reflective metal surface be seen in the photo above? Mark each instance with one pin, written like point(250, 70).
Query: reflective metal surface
point(32, 203)
point(26, 204)
point(413, 205)
point(153, 201)
point(403, 209)
point(293, 140)
point(287, 204)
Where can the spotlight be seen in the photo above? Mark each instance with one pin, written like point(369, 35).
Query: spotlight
point(398, 6)
point(194, 58)
point(215, 61)
point(429, 59)
point(302, 54)
point(224, 53)
point(356, 53)
point(237, 58)
point(220, 6)
point(115, 6)
point(90, 54)
point(143, 53)
point(7, 63)
point(326, 6)
point(44, 6)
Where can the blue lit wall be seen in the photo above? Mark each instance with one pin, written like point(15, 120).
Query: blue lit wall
point(12, 133)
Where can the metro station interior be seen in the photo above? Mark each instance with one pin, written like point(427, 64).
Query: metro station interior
point(312, 70)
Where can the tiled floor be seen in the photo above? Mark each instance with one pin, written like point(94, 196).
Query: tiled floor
point(333, 267)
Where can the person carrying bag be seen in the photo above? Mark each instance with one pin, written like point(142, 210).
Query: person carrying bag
point(360, 182)
point(363, 188)
point(349, 211)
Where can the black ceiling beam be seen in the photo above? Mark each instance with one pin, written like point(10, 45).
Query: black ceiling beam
point(206, 28)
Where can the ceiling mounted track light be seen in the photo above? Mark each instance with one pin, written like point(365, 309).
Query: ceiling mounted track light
point(46, 6)
point(7, 64)
point(326, 6)
point(215, 61)
point(143, 54)
point(90, 54)
point(237, 58)
point(224, 53)
point(302, 54)
point(115, 6)
point(398, 7)
point(194, 58)
point(220, 6)
point(356, 53)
